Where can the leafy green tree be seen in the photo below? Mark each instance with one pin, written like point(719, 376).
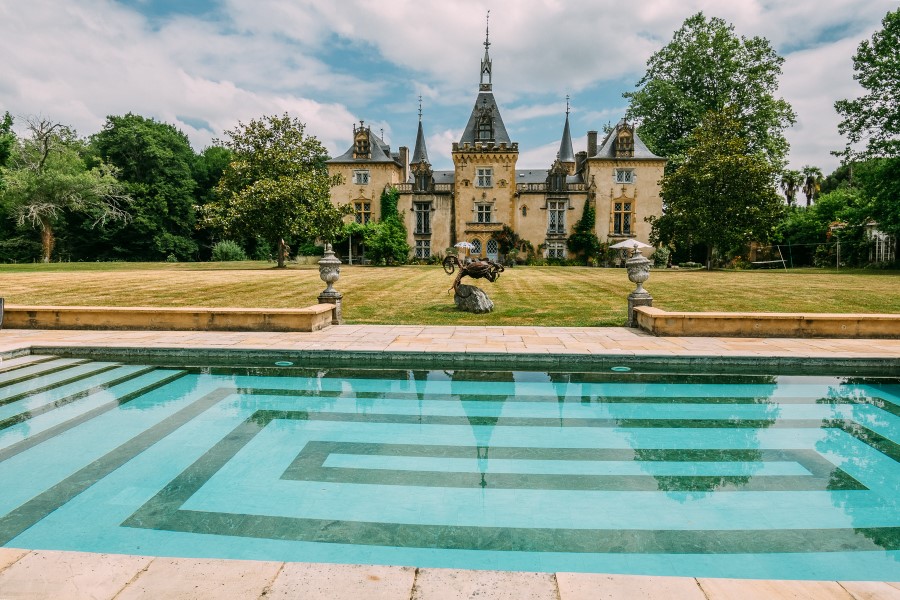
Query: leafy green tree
point(584, 241)
point(875, 116)
point(812, 183)
point(791, 181)
point(207, 171)
point(276, 185)
point(155, 161)
point(48, 178)
point(386, 240)
point(705, 68)
point(7, 141)
point(722, 195)
point(880, 181)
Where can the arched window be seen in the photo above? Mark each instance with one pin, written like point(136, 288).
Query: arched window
point(492, 249)
point(476, 247)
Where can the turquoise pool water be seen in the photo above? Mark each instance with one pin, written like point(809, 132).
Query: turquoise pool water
point(667, 474)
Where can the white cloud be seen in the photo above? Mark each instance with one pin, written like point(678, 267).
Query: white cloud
point(80, 60)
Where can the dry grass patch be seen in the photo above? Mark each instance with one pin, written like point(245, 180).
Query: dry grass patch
point(548, 296)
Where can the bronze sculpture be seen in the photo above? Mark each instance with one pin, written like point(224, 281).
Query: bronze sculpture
point(478, 269)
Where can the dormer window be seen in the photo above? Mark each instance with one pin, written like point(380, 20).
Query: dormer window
point(625, 144)
point(485, 128)
point(361, 147)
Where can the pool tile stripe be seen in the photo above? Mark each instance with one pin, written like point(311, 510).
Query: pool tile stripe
point(877, 402)
point(309, 466)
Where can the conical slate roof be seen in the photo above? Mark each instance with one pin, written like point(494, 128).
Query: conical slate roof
point(420, 154)
point(566, 153)
point(470, 133)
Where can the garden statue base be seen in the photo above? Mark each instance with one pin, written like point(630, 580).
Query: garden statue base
point(637, 299)
point(472, 299)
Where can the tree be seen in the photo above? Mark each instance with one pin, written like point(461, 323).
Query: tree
point(155, 161)
point(812, 183)
point(706, 68)
point(386, 240)
point(791, 181)
point(583, 240)
point(48, 178)
point(722, 194)
point(276, 185)
point(7, 141)
point(875, 116)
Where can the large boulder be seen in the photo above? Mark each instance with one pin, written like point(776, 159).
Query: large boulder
point(472, 299)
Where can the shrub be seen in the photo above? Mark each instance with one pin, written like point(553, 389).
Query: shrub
point(661, 257)
point(226, 250)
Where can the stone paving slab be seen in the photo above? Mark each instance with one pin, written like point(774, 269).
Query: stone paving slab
point(201, 579)
point(751, 589)
point(872, 590)
point(10, 555)
point(342, 582)
point(453, 584)
point(591, 586)
point(69, 575)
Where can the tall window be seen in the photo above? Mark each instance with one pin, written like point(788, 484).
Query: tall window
point(484, 177)
point(363, 212)
point(556, 216)
point(423, 217)
point(483, 213)
point(622, 218)
point(492, 249)
point(556, 250)
point(624, 175)
point(476, 247)
point(361, 177)
point(423, 248)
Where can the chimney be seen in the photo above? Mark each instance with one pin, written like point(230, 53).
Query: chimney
point(592, 144)
point(404, 163)
point(580, 158)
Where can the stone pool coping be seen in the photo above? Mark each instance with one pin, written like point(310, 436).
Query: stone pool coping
point(76, 575)
point(41, 574)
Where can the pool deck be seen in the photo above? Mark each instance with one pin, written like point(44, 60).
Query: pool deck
point(71, 575)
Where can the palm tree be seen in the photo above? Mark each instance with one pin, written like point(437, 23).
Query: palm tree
point(811, 183)
point(791, 181)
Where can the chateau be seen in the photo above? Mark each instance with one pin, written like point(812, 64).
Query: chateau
point(485, 191)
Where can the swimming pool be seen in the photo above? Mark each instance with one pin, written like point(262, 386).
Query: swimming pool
point(790, 476)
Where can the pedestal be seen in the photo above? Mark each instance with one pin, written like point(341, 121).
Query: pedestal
point(637, 299)
point(333, 298)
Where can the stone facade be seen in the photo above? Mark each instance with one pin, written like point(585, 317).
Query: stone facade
point(485, 191)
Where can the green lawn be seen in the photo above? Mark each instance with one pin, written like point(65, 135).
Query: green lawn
point(570, 296)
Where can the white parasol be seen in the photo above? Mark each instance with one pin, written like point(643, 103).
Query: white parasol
point(634, 245)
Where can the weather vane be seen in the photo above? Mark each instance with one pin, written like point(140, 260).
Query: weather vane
point(420, 107)
point(487, 31)
point(567, 105)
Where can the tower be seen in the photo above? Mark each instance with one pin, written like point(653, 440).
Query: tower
point(485, 169)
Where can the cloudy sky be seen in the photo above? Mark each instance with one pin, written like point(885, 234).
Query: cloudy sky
point(204, 65)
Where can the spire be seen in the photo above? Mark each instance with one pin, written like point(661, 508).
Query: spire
point(566, 152)
point(486, 61)
point(420, 154)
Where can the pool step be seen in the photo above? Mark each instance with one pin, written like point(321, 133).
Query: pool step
point(33, 405)
point(9, 364)
point(90, 405)
point(31, 371)
point(49, 380)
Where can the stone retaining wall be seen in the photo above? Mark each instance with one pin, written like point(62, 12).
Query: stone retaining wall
point(794, 325)
point(311, 318)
